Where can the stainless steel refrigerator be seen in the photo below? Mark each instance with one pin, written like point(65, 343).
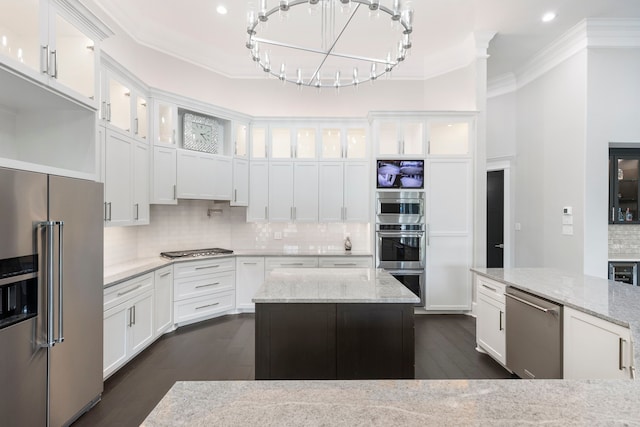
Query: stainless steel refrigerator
point(51, 287)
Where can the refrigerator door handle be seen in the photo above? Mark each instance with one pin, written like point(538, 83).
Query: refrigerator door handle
point(48, 247)
point(60, 338)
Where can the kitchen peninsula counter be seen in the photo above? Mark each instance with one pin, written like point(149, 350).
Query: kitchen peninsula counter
point(405, 403)
point(334, 323)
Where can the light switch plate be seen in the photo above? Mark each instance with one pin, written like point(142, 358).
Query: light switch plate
point(567, 230)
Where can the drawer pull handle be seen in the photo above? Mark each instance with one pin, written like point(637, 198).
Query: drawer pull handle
point(208, 305)
point(207, 285)
point(207, 266)
point(344, 264)
point(129, 291)
point(250, 263)
point(500, 321)
point(165, 274)
point(489, 287)
point(292, 263)
point(621, 355)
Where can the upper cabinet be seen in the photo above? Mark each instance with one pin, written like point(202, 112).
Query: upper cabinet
point(400, 137)
point(449, 137)
point(343, 143)
point(54, 42)
point(624, 172)
point(124, 102)
point(241, 139)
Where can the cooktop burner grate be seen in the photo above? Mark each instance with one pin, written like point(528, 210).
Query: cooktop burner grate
point(196, 253)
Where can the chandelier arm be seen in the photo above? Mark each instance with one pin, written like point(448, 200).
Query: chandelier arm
point(315, 74)
point(322, 52)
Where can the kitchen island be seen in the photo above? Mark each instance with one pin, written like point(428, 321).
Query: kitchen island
point(402, 403)
point(334, 324)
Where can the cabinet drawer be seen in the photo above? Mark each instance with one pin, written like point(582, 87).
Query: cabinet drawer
point(126, 290)
point(205, 266)
point(203, 307)
point(191, 287)
point(491, 288)
point(345, 262)
point(291, 262)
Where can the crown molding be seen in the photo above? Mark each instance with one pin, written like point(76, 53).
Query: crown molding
point(501, 85)
point(85, 18)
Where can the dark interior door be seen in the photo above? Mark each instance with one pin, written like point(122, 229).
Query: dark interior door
point(495, 219)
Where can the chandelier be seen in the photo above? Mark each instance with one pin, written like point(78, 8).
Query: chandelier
point(378, 51)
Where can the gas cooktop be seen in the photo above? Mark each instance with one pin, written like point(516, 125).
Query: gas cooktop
point(196, 253)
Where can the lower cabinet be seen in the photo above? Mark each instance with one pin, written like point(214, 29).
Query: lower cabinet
point(128, 321)
point(203, 289)
point(490, 321)
point(163, 300)
point(595, 348)
point(249, 277)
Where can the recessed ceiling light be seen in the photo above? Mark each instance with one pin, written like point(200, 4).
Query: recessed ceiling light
point(221, 10)
point(548, 17)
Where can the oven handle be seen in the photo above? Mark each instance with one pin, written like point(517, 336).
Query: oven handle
point(400, 233)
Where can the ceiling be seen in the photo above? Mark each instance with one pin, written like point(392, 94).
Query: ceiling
point(442, 30)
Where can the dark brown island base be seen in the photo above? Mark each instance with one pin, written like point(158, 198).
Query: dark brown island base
point(334, 324)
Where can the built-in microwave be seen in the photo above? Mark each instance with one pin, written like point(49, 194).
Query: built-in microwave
point(399, 207)
point(400, 174)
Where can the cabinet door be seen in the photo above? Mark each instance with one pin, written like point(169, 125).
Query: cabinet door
point(118, 103)
point(24, 31)
point(356, 192)
point(356, 145)
point(305, 143)
point(249, 277)
point(281, 146)
point(118, 178)
point(281, 191)
point(259, 142)
point(388, 138)
point(241, 142)
point(73, 58)
point(331, 193)
point(141, 184)
point(207, 186)
point(141, 118)
point(413, 138)
point(164, 176)
point(258, 191)
point(490, 327)
point(141, 329)
point(331, 144)
point(449, 250)
point(240, 182)
point(449, 138)
point(163, 300)
point(223, 178)
point(115, 324)
point(595, 348)
point(188, 179)
point(305, 188)
point(165, 122)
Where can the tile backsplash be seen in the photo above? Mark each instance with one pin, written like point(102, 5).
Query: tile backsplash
point(200, 224)
point(624, 239)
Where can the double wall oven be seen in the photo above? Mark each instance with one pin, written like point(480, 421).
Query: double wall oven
point(401, 238)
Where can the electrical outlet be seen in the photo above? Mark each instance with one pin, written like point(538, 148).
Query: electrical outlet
point(277, 235)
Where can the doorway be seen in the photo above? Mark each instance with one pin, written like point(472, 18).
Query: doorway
point(495, 219)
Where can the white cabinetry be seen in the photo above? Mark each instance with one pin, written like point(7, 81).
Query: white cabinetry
point(449, 234)
point(240, 182)
point(595, 348)
point(203, 289)
point(400, 136)
point(163, 300)
point(56, 43)
point(249, 277)
point(164, 176)
point(165, 123)
point(203, 176)
point(348, 261)
point(293, 191)
point(126, 178)
point(272, 263)
point(490, 323)
point(344, 191)
point(258, 191)
point(128, 321)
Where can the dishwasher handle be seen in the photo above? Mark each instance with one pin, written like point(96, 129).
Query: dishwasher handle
point(530, 304)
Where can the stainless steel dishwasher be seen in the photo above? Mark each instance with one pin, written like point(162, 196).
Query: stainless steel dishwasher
point(534, 335)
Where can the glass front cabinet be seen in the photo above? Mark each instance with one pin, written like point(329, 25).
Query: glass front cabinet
point(624, 171)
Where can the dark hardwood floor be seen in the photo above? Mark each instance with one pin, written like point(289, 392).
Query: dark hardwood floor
point(223, 349)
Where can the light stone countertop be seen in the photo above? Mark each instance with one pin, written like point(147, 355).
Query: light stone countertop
point(332, 285)
point(399, 403)
point(615, 302)
point(119, 273)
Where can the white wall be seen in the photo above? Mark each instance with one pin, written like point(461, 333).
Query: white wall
point(551, 132)
point(613, 115)
point(270, 98)
point(501, 126)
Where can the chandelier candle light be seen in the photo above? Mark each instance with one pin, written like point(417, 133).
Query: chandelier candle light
point(329, 60)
